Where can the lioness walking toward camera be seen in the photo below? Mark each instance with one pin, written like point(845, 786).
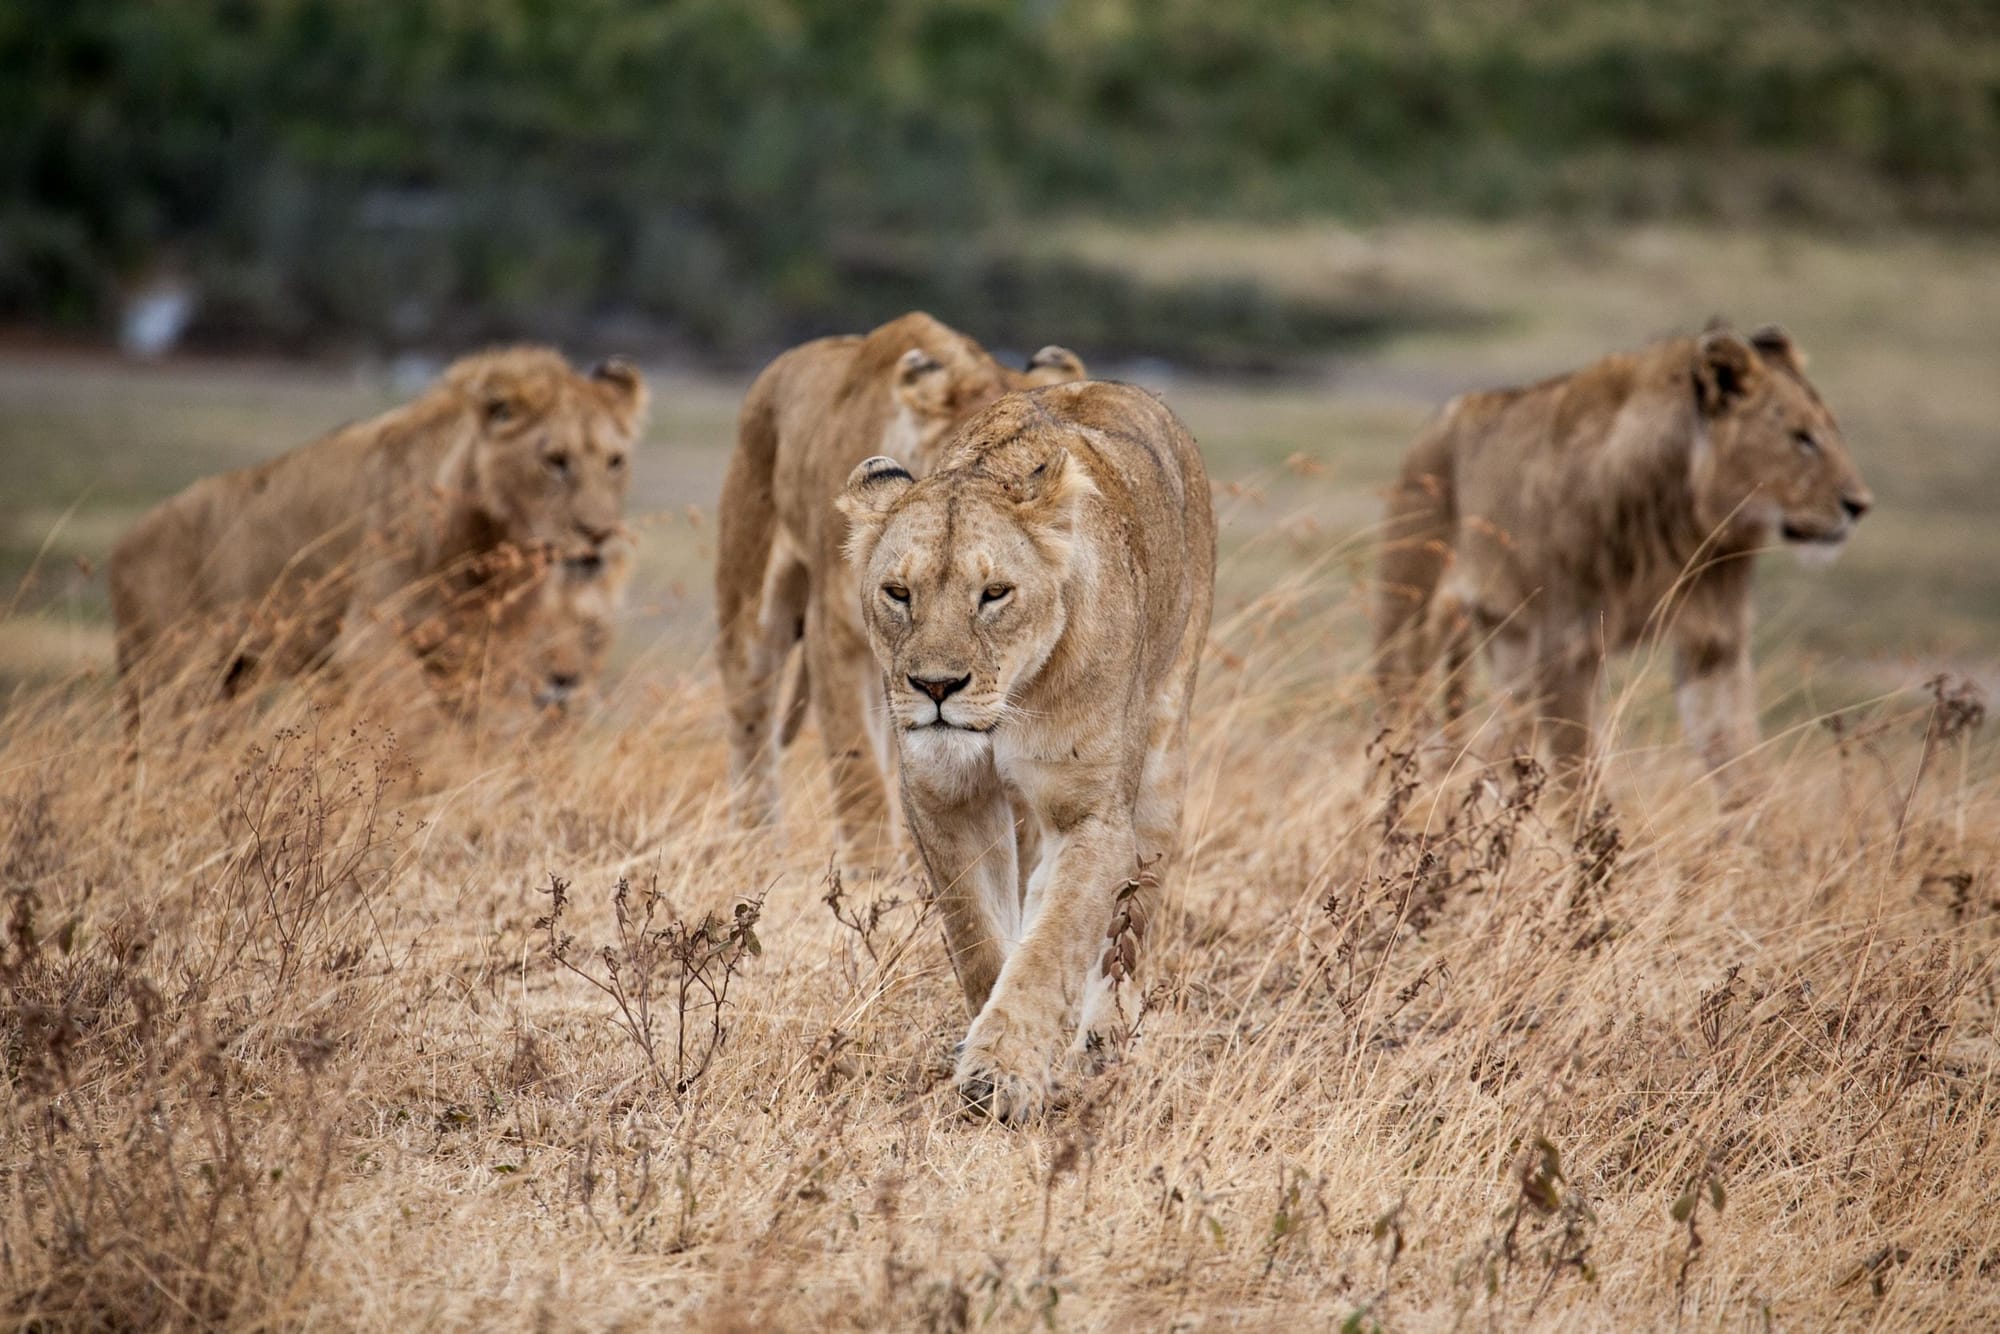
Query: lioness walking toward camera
point(339, 548)
point(1554, 524)
point(813, 414)
point(1037, 606)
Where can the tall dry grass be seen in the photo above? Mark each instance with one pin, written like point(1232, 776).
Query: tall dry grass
point(304, 1023)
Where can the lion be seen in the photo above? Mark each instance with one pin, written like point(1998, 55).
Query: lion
point(1036, 607)
point(780, 578)
point(534, 636)
point(566, 641)
point(1621, 503)
point(330, 552)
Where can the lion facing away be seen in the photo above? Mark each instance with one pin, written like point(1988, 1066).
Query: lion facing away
point(333, 550)
point(1557, 523)
point(809, 417)
point(1036, 608)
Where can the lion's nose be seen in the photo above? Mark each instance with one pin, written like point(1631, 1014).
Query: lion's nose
point(941, 688)
point(556, 690)
point(598, 534)
point(1857, 505)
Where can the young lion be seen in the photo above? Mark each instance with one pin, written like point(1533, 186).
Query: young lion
point(1560, 522)
point(1037, 606)
point(534, 635)
point(337, 547)
point(813, 414)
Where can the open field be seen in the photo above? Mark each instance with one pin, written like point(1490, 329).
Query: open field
point(283, 1040)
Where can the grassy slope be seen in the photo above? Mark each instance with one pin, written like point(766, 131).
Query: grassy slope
point(342, 1083)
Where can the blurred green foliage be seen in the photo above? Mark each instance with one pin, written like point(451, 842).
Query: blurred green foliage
point(739, 172)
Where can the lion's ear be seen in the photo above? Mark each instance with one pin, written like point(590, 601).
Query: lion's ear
point(1776, 345)
point(920, 382)
point(914, 365)
point(628, 389)
point(1046, 500)
point(872, 490)
point(1055, 364)
point(1725, 371)
point(490, 394)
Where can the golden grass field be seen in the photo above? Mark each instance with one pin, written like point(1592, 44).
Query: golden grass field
point(284, 1040)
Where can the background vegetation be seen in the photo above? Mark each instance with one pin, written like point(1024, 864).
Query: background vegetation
point(728, 176)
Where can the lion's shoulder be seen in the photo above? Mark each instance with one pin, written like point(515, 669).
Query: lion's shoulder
point(1125, 438)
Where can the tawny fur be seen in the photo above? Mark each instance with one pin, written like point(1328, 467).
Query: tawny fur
point(1555, 524)
point(335, 549)
point(533, 637)
point(1037, 608)
point(810, 416)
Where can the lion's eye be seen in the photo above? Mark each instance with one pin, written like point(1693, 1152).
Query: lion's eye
point(616, 462)
point(1807, 445)
point(896, 593)
point(993, 593)
point(499, 411)
point(557, 463)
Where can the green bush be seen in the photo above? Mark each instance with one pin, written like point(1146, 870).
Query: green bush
point(437, 172)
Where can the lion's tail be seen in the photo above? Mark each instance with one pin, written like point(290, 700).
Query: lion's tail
point(1416, 551)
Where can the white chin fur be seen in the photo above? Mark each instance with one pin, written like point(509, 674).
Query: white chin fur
point(944, 749)
point(1818, 555)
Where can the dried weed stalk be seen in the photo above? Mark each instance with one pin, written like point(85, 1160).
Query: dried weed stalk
point(658, 960)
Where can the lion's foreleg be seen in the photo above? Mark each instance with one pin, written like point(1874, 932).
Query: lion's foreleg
point(1513, 669)
point(1013, 1049)
point(132, 660)
point(1715, 690)
point(1567, 697)
point(965, 834)
point(371, 650)
point(1453, 639)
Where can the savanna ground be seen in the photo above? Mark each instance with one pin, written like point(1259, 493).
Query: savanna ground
point(286, 1040)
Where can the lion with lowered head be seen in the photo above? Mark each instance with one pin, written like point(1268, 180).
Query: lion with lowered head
point(809, 417)
point(1553, 524)
point(533, 638)
point(1037, 607)
point(335, 549)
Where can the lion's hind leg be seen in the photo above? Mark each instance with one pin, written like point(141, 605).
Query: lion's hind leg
point(1110, 1011)
point(846, 688)
point(1451, 636)
point(1111, 1000)
point(751, 656)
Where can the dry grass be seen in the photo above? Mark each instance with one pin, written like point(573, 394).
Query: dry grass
point(288, 1036)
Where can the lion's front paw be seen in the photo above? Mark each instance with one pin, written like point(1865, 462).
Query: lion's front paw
point(1011, 1097)
point(1003, 1075)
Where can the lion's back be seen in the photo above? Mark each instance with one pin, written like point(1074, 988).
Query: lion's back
point(1150, 458)
point(1152, 505)
point(281, 536)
